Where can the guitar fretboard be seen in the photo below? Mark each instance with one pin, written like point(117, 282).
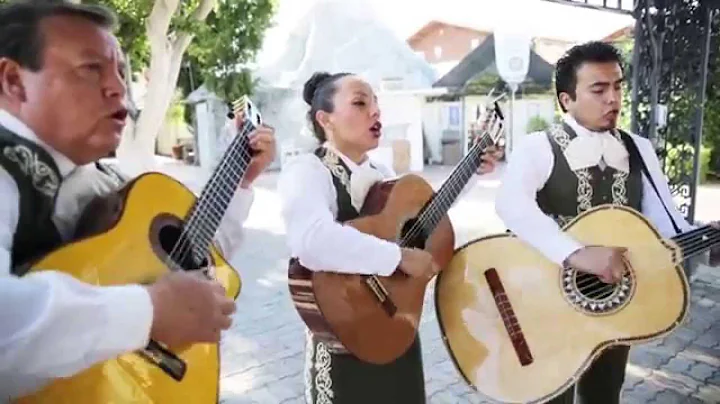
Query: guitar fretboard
point(433, 212)
point(698, 240)
point(206, 214)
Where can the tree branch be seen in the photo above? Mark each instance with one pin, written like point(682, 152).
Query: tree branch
point(158, 22)
point(183, 39)
point(202, 11)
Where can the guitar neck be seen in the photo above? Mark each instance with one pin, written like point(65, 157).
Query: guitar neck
point(697, 241)
point(441, 202)
point(206, 214)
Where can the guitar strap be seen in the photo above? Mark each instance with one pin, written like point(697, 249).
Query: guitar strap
point(635, 155)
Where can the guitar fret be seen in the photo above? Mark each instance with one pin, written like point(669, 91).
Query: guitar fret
point(207, 213)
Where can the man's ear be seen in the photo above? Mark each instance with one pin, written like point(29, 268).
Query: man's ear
point(11, 84)
point(564, 99)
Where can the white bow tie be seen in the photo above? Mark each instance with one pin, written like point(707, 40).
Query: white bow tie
point(588, 150)
point(361, 179)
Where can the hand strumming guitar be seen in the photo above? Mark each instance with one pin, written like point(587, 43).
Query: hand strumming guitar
point(605, 262)
point(418, 263)
point(188, 308)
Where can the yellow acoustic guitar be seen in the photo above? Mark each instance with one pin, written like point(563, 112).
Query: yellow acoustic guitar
point(152, 225)
point(521, 329)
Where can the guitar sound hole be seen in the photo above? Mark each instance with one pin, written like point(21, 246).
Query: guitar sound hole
point(589, 294)
point(592, 287)
point(168, 241)
point(416, 237)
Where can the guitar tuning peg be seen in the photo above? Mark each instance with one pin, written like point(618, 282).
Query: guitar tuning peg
point(230, 114)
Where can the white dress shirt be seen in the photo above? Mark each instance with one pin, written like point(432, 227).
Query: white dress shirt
point(530, 167)
point(309, 209)
point(52, 325)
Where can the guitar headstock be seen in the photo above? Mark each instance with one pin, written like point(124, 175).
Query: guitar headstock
point(491, 124)
point(244, 111)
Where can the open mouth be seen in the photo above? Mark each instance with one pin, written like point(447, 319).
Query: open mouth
point(120, 116)
point(376, 129)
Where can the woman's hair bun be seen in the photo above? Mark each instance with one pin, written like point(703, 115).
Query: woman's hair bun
point(312, 84)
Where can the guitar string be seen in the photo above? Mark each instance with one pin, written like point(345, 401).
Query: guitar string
point(692, 246)
point(238, 144)
point(196, 236)
point(193, 224)
point(689, 240)
point(702, 245)
point(447, 192)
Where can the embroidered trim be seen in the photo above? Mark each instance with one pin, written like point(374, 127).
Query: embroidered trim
point(619, 188)
point(332, 162)
point(309, 353)
point(619, 185)
point(44, 179)
point(584, 189)
point(323, 381)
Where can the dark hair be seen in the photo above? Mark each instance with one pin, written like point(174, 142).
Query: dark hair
point(318, 93)
point(567, 66)
point(20, 35)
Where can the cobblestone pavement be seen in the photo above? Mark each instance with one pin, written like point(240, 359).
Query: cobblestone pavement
point(263, 354)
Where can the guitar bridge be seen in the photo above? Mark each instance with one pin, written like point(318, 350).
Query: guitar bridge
point(381, 294)
point(165, 360)
point(510, 321)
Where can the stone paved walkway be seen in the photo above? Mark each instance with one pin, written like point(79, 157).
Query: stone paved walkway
point(263, 353)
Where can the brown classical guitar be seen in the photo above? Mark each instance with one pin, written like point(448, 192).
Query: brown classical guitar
point(374, 317)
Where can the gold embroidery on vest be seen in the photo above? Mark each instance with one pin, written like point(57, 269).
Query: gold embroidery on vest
point(619, 185)
point(44, 179)
point(332, 162)
point(584, 189)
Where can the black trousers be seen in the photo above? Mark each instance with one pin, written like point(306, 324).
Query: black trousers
point(344, 379)
point(602, 382)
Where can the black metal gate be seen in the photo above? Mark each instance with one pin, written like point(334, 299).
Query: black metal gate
point(675, 41)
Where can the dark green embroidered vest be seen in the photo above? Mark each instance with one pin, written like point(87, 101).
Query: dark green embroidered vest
point(341, 181)
point(568, 193)
point(38, 180)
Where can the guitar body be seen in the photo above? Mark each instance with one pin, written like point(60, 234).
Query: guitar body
point(559, 321)
point(121, 243)
point(343, 307)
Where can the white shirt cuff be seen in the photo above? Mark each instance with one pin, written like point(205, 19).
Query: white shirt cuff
point(391, 257)
point(129, 314)
point(563, 250)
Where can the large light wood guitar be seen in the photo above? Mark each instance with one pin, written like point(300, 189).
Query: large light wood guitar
point(520, 329)
point(374, 317)
point(152, 225)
